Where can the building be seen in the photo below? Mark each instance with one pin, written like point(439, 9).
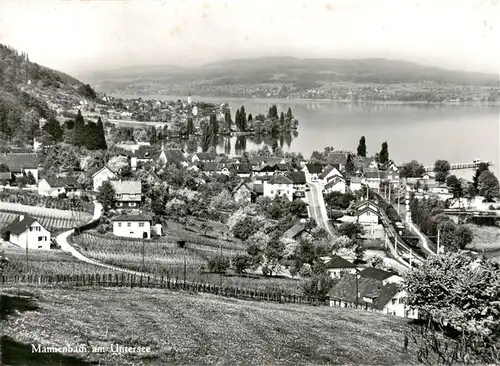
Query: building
point(356, 184)
point(298, 179)
point(142, 156)
point(132, 226)
point(279, 185)
point(373, 179)
point(371, 294)
point(295, 231)
point(20, 164)
point(128, 193)
point(335, 184)
point(203, 157)
point(214, 168)
point(329, 174)
point(53, 187)
point(312, 172)
point(25, 231)
point(243, 193)
point(338, 266)
point(242, 170)
point(102, 175)
point(172, 156)
point(338, 159)
point(380, 275)
point(367, 216)
point(5, 178)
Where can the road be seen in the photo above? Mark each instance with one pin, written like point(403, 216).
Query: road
point(317, 207)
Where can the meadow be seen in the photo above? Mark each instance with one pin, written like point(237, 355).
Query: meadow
point(198, 329)
point(51, 220)
point(163, 257)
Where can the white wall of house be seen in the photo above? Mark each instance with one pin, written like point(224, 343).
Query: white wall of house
point(355, 186)
point(132, 229)
point(337, 187)
point(396, 306)
point(367, 218)
point(339, 272)
point(101, 177)
point(331, 174)
point(373, 183)
point(273, 190)
point(36, 236)
point(310, 177)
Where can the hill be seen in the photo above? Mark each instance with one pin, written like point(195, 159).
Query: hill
point(184, 328)
point(292, 70)
point(29, 92)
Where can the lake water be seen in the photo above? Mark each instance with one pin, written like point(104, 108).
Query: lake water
point(425, 132)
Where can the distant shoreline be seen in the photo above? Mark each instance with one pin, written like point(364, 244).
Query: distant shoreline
point(298, 100)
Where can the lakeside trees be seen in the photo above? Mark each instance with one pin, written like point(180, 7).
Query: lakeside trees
point(488, 186)
point(412, 169)
point(362, 147)
point(441, 170)
point(383, 157)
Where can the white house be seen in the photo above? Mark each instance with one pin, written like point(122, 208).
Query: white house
point(328, 175)
point(132, 226)
point(312, 172)
point(25, 231)
point(53, 187)
point(367, 216)
point(21, 163)
point(128, 193)
point(335, 184)
point(102, 175)
point(279, 185)
point(338, 266)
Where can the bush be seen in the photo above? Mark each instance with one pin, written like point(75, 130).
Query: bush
point(218, 265)
point(241, 263)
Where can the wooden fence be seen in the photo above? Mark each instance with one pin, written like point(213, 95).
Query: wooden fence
point(131, 281)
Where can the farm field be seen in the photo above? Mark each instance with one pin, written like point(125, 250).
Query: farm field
point(47, 262)
point(183, 328)
point(487, 237)
point(50, 220)
point(165, 258)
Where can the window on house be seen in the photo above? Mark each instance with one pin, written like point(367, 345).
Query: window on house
point(119, 224)
point(31, 229)
point(394, 301)
point(119, 204)
point(132, 204)
point(40, 238)
point(141, 224)
point(129, 224)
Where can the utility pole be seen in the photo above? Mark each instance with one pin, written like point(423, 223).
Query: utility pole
point(220, 246)
point(143, 252)
point(389, 194)
point(410, 260)
point(182, 244)
point(438, 238)
point(357, 294)
point(27, 268)
point(399, 195)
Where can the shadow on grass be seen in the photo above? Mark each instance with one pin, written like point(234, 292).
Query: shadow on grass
point(15, 353)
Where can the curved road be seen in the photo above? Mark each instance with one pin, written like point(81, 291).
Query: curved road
point(318, 208)
point(62, 241)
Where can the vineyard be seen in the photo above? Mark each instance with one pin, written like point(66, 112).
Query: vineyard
point(165, 258)
point(50, 220)
point(44, 262)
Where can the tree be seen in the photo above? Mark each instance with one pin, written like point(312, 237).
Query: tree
point(4, 168)
point(412, 169)
point(319, 284)
point(376, 261)
point(383, 157)
point(241, 263)
point(30, 178)
point(455, 185)
point(107, 195)
point(351, 229)
point(441, 169)
point(457, 296)
point(334, 215)
point(482, 167)
point(362, 147)
point(359, 251)
point(488, 186)
point(79, 130)
point(189, 126)
point(54, 129)
point(101, 136)
point(218, 265)
point(350, 167)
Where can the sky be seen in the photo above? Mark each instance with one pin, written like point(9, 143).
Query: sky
point(80, 36)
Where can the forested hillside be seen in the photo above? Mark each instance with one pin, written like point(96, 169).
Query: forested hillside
point(27, 92)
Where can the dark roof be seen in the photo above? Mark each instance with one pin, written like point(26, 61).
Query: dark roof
point(337, 158)
point(334, 181)
point(242, 168)
point(362, 203)
point(297, 177)
point(279, 179)
point(19, 226)
point(375, 174)
point(145, 154)
point(211, 167)
point(375, 273)
point(338, 262)
point(345, 290)
point(328, 170)
point(258, 188)
point(66, 182)
point(18, 162)
point(174, 156)
point(102, 168)
point(366, 209)
point(314, 168)
point(132, 218)
point(241, 184)
point(265, 168)
point(282, 167)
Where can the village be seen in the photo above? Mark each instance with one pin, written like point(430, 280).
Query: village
point(265, 210)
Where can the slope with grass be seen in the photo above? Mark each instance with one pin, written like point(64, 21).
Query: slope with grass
point(198, 329)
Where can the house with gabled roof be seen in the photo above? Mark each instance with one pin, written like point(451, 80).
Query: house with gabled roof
point(299, 180)
point(362, 204)
point(371, 294)
point(312, 171)
point(102, 175)
point(380, 275)
point(203, 157)
point(132, 226)
point(210, 168)
point(338, 266)
point(244, 193)
point(278, 185)
point(54, 186)
point(242, 170)
point(335, 184)
point(26, 232)
point(295, 231)
point(128, 193)
point(338, 159)
point(5, 178)
point(367, 216)
point(20, 164)
point(172, 156)
point(356, 184)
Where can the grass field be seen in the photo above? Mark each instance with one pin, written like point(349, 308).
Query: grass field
point(182, 328)
point(51, 221)
point(165, 258)
point(47, 262)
